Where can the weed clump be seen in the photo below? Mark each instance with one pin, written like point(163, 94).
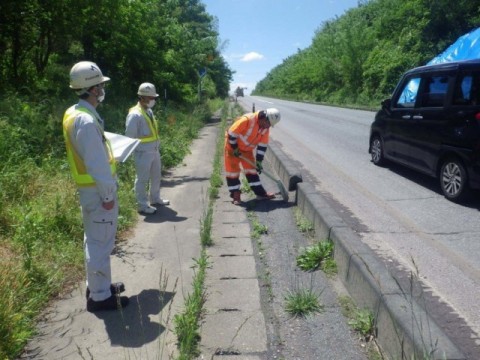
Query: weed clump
point(319, 255)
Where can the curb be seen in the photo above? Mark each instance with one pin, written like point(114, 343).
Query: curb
point(404, 330)
point(288, 173)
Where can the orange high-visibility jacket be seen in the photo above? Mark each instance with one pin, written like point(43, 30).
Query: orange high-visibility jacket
point(246, 134)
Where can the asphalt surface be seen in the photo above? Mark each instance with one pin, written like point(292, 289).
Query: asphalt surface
point(246, 283)
point(414, 230)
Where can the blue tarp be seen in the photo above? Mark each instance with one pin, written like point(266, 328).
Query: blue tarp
point(465, 48)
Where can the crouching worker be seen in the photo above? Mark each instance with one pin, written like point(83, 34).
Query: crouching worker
point(94, 170)
point(246, 143)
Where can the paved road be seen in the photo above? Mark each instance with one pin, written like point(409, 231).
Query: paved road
point(401, 215)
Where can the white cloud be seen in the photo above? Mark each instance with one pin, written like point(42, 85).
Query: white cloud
point(251, 56)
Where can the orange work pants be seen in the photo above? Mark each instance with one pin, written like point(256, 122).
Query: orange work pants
point(232, 171)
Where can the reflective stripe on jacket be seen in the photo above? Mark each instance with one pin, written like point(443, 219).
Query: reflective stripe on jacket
point(77, 165)
point(152, 125)
point(246, 133)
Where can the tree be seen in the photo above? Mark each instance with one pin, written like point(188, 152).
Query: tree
point(162, 41)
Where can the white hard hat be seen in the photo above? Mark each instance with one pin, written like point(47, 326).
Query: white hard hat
point(86, 74)
point(147, 89)
point(273, 116)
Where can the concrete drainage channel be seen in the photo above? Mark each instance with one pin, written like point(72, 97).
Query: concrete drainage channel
point(404, 330)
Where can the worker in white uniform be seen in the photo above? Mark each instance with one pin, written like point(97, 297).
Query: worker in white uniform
point(94, 170)
point(141, 124)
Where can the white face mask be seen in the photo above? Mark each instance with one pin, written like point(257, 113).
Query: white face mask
point(101, 97)
point(151, 104)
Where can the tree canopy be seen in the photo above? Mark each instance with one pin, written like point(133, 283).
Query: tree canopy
point(166, 42)
point(358, 57)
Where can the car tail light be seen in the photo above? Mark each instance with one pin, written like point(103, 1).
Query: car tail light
point(477, 116)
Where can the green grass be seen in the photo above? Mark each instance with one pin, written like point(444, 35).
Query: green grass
point(245, 188)
point(302, 302)
point(206, 226)
point(361, 320)
point(304, 225)
point(258, 229)
point(319, 255)
point(187, 322)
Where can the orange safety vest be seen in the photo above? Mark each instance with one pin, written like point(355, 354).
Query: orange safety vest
point(77, 165)
point(248, 132)
point(152, 124)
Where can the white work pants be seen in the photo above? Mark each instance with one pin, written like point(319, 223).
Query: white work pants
point(100, 227)
point(148, 166)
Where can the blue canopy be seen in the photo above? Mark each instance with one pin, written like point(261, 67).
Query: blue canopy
point(466, 47)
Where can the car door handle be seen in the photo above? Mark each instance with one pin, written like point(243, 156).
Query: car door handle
point(406, 117)
point(417, 117)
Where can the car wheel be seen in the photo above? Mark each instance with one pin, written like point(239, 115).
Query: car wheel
point(453, 180)
point(376, 149)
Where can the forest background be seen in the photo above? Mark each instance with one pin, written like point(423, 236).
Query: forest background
point(358, 58)
point(355, 59)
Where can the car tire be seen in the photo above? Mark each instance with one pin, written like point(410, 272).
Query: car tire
point(454, 180)
point(376, 150)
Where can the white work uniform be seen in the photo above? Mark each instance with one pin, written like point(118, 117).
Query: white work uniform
point(148, 163)
point(100, 225)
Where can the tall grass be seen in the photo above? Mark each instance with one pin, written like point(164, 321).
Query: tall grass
point(187, 322)
point(41, 232)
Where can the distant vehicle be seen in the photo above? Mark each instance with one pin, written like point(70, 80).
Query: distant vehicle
point(432, 124)
point(239, 91)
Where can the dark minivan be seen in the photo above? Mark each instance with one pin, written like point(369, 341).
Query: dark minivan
point(432, 124)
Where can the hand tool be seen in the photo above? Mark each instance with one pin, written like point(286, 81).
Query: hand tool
point(280, 186)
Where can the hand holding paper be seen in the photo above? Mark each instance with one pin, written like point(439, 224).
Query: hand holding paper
point(122, 146)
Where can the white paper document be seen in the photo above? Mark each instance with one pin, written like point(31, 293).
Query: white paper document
point(122, 146)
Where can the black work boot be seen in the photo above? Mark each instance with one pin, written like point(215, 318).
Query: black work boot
point(114, 302)
point(116, 289)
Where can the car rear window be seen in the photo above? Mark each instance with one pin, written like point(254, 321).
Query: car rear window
point(434, 91)
point(467, 90)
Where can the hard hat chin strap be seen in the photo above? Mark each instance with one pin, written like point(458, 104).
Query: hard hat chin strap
point(82, 91)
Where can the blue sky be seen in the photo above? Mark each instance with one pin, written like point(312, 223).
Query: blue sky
point(259, 34)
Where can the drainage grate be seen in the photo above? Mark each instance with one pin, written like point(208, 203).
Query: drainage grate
point(227, 352)
point(228, 309)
